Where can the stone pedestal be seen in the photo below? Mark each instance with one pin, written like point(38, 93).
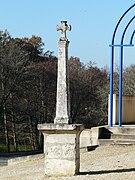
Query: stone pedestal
point(61, 148)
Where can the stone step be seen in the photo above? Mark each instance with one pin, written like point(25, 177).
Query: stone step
point(106, 142)
point(116, 142)
point(15, 158)
point(125, 130)
point(3, 162)
point(117, 136)
point(125, 141)
point(123, 136)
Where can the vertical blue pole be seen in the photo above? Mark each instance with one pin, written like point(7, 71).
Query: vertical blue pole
point(120, 87)
point(111, 86)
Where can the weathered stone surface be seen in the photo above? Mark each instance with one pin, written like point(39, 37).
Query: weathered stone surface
point(53, 139)
point(61, 140)
point(60, 151)
point(89, 137)
point(63, 99)
point(68, 151)
point(63, 27)
point(54, 127)
point(53, 151)
point(61, 145)
point(60, 167)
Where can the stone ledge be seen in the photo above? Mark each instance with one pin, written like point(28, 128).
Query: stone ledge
point(54, 127)
point(21, 159)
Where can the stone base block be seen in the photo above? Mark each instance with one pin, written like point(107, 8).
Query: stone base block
point(60, 167)
point(61, 148)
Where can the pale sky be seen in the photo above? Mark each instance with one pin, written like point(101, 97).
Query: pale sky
point(92, 21)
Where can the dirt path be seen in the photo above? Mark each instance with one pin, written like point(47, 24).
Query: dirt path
point(105, 163)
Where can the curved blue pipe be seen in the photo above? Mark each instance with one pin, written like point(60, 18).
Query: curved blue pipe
point(120, 73)
point(120, 22)
point(122, 39)
point(131, 40)
point(112, 65)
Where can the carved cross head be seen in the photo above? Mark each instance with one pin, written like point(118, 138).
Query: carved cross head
point(63, 27)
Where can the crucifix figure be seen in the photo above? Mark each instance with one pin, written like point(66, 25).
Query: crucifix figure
point(63, 27)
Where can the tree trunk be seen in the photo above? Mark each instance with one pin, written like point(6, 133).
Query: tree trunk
point(6, 130)
point(14, 136)
point(5, 116)
point(13, 126)
point(31, 137)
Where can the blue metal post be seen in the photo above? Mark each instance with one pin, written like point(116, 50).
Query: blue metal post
point(111, 86)
point(120, 72)
point(120, 87)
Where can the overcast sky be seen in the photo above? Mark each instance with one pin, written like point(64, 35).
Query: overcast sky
point(92, 21)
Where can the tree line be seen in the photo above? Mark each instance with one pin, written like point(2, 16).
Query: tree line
point(28, 78)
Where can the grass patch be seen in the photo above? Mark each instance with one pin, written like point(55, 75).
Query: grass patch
point(20, 147)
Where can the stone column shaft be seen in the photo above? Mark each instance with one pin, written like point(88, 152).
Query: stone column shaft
point(63, 100)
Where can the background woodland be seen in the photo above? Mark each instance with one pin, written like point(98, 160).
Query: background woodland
point(28, 78)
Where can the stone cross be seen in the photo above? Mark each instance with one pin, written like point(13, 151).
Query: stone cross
point(61, 139)
point(63, 100)
point(63, 27)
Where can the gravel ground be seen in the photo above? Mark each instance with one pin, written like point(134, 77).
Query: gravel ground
point(104, 163)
